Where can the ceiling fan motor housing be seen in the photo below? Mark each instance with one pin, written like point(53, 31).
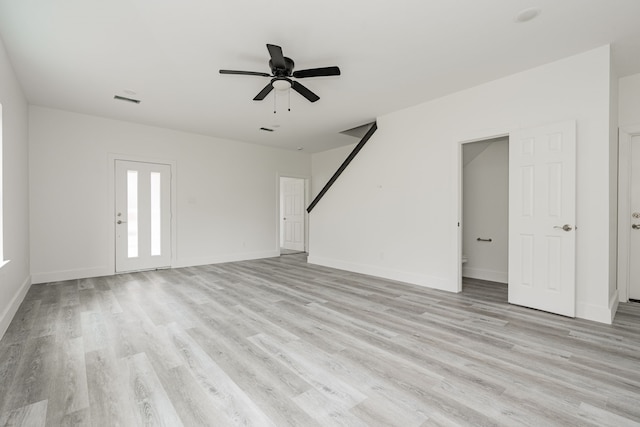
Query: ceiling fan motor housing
point(282, 72)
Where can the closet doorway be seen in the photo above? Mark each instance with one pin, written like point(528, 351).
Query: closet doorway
point(485, 212)
point(540, 222)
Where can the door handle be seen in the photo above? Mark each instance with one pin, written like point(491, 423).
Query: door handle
point(121, 222)
point(635, 226)
point(565, 227)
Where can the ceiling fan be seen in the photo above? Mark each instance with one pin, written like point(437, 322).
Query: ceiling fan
point(282, 72)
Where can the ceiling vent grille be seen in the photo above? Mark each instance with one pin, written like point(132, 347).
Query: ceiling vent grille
point(124, 98)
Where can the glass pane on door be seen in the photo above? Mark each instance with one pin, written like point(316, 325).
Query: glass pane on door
point(156, 212)
point(132, 214)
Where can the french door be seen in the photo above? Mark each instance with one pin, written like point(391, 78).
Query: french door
point(142, 215)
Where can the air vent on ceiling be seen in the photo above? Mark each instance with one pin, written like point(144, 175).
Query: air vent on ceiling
point(124, 98)
point(266, 129)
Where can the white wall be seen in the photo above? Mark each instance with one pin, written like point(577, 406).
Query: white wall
point(486, 213)
point(227, 200)
point(629, 100)
point(14, 276)
point(393, 213)
point(614, 296)
point(325, 164)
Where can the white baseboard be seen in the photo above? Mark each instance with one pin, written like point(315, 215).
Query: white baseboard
point(13, 306)
point(613, 304)
point(372, 270)
point(482, 274)
point(598, 313)
point(245, 256)
point(60, 276)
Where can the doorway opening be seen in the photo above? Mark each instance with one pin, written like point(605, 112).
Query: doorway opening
point(292, 218)
point(485, 217)
point(628, 283)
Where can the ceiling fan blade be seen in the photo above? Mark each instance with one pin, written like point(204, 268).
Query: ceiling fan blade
point(264, 92)
point(304, 92)
point(317, 72)
point(245, 73)
point(277, 58)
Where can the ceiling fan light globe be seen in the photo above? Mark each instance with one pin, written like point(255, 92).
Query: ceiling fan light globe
point(281, 85)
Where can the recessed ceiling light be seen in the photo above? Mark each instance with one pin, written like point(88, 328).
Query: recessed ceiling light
point(299, 148)
point(527, 15)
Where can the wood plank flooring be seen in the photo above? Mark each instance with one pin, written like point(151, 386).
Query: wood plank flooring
point(278, 342)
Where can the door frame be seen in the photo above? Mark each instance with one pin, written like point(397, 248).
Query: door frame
point(458, 166)
point(307, 200)
point(625, 135)
point(111, 201)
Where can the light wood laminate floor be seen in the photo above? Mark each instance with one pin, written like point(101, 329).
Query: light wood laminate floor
point(278, 342)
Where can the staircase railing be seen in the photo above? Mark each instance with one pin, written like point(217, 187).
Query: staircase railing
point(343, 166)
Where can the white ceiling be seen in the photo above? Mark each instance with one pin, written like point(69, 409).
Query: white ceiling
point(77, 54)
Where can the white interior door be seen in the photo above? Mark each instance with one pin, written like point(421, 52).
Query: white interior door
point(542, 218)
point(634, 240)
point(292, 195)
point(142, 215)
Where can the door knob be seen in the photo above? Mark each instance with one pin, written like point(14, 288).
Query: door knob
point(121, 222)
point(635, 226)
point(565, 227)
